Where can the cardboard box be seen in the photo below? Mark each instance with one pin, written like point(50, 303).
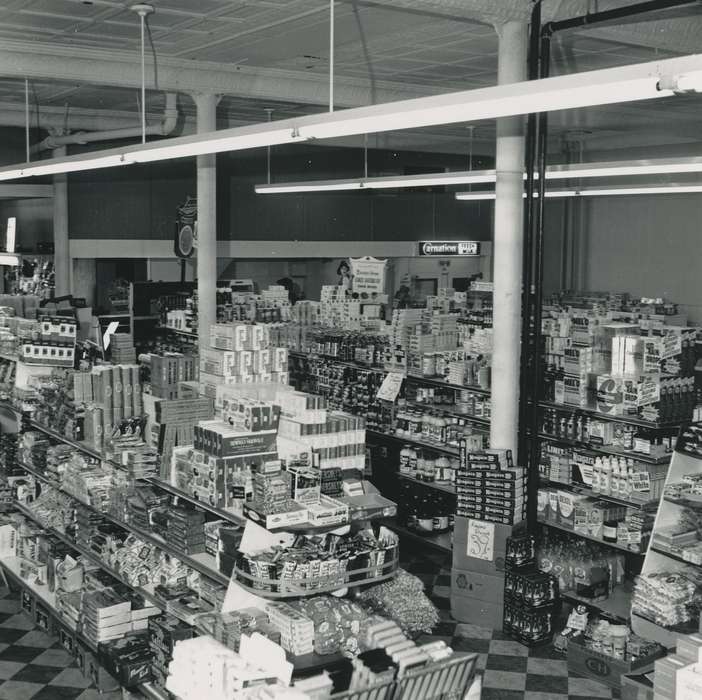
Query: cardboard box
point(296, 516)
point(603, 668)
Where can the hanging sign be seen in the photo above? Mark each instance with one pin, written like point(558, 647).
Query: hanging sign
point(481, 540)
point(368, 276)
point(443, 248)
point(671, 345)
point(390, 387)
point(10, 237)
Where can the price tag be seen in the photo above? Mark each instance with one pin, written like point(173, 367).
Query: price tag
point(640, 481)
point(390, 387)
point(481, 540)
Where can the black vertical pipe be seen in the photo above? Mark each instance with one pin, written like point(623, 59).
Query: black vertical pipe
point(539, 223)
point(529, 161)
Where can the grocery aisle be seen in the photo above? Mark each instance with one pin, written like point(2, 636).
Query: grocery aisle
point(510, 670)
point(33, 665)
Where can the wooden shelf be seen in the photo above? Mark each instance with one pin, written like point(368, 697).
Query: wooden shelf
point(177, 331)
point(614, 545)
point(659, 550)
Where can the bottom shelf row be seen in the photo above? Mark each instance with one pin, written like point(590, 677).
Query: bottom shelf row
point(94, 611)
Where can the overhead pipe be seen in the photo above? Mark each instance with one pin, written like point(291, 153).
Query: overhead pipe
point(163, 128)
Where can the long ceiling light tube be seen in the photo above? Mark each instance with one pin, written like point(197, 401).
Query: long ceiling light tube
point(600, 87)
point(625, 168)
point(603, 191)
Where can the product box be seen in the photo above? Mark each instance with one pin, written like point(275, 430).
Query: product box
point(603, 668)
point(296, 515)
point(609, 394)
point(486, 607)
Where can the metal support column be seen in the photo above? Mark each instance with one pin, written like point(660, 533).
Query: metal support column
point(508, 246)
point(206, 105)
point(62, 255)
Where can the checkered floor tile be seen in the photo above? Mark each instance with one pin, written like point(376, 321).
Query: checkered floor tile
point(34, 666)
point(511, 671)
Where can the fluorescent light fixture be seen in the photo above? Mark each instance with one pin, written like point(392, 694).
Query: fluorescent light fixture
point(640, 81)
point(462, 177)
point(624, 168)
point(9, 259)
point(614, 190)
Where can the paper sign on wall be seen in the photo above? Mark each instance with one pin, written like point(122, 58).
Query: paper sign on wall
point(368, 275)
point(481, 540)
point(390, 387)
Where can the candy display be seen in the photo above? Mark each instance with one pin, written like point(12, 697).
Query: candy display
point(403, 600)
point(314, 564)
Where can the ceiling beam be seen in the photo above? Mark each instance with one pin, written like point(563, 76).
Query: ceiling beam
point(46, 62)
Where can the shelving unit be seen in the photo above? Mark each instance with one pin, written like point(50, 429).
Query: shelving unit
point(607, 449)
point(617, 605)
point(613, 545)
point(583, 490)
point(443, 449)
point(441, 541)
point(203, 563)
point(438, 485)
point(594, 413)
point(685, 467)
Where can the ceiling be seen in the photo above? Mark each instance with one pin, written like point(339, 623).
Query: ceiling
point(383, 50)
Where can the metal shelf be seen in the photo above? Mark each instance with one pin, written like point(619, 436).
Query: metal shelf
point(453, 451)
point(430, 381)
point(614, 545)
point(177, 331)
point(11, 566)
point(600, 496)
point(438, 485)
point(203, 563)
point(608, 450)
point(670, 555)
point(617, 605)
point(441, 541)
point(628, 420)
point(174, 491)
point(448, 412)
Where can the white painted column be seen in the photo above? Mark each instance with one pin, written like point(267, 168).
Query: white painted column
point(508, 244)
point(206, 222)
point(62, 256)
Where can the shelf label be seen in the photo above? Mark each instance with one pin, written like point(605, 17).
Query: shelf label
point(481, 540)
point(390, 387)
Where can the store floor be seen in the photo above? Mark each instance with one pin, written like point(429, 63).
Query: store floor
point(510, 670)
point(33, 665)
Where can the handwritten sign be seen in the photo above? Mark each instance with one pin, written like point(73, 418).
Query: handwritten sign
point(481, 540)
point(368, 275)
point(390, 387)
point(649, 391)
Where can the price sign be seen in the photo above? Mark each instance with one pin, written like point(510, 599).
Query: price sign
point(640, 481)
point(649, 391)
point(390, 387)
point(671, 345)
point(111, 328)
point(368, 276)
point(481, 540)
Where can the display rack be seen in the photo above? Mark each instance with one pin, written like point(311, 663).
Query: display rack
point(675, 548)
